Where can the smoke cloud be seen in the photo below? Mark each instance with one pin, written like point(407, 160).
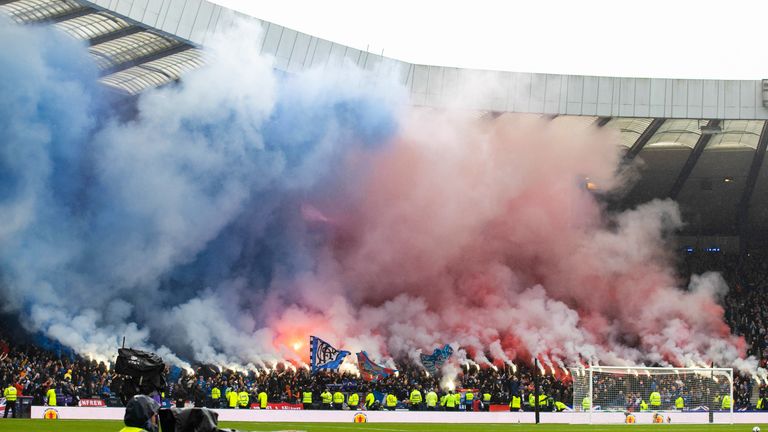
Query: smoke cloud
point(243, 210)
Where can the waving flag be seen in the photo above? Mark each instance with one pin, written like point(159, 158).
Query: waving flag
point(434, 361)
point(174, 374)
point(371, 371)
point(323, 356)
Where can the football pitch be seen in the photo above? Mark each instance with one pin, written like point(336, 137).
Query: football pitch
point(17, 425)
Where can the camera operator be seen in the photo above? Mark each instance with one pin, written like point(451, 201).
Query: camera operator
point(141, 415)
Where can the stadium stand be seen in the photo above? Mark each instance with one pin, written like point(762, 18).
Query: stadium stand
point(36, 370)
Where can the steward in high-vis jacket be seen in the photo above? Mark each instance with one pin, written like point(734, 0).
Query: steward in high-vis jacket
point(338, 400)
point(586, 403)
point(215, 397)
point(10, 394)
point(50, 395)
point(516, 404)
point(450, 402)
point(306, 399)
point(486, 401)
point(353, 400)
point(543, 401)
point(232, 399)
point(726, 404)
point(680, 403)
point(243, 398)
point(326, 398)
point(415, 399)
point(469, 401)
point(262, 399)
point(391, 402)
point(655, 400)
point(431, 400)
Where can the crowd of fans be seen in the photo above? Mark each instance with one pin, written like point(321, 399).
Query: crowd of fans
point(38, 373)
point(56, 378)
point(289, 385)
point(746, 300)
point(745, 307)
point(35, 371)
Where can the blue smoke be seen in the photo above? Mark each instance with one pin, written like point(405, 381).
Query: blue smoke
point(169, 228)
point(47, 113)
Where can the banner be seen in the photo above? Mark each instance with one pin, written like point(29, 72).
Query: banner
point(498, 408)
point(371, 371)
point(435, 361)
point(324, 356)
point(284, 406)
point(91, 403)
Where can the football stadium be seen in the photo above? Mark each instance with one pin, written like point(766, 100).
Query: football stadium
point(211, 222)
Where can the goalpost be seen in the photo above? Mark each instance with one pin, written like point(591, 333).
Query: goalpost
point(644, 391)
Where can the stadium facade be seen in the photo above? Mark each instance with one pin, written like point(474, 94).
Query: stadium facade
point(701, 142)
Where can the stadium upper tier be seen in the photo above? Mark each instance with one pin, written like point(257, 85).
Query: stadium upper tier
point(702, 142)
point(169, 27)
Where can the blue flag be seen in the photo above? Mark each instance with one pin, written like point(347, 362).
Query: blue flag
point(323, 356)
point(174, 374)
point(435, 361)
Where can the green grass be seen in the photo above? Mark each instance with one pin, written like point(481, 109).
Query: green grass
point(18, 425)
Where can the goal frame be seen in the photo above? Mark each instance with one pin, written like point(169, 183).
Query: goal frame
point(592, 369)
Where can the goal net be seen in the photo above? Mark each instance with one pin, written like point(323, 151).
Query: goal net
point(652, 389)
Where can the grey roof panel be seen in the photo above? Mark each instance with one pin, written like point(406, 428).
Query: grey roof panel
point(31, 11)
point(130, 48)
point(630, 128)
point(676, 133)
point(155, 73)
point(135, 80)
point(575, 121)
point(737, 134)
point(92, 26)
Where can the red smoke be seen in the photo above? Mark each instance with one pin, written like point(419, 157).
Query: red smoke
point(483, 233)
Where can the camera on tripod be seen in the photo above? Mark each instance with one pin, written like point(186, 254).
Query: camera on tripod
point(143, 373)
point(190, 420)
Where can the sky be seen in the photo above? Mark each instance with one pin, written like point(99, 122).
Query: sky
point(652, 38)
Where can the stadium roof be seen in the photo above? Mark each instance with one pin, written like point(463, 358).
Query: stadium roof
point(167, 27)
point(701, 142)
point(131, 57)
